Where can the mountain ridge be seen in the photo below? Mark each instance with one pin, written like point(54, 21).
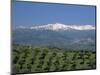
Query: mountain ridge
point(59, 26)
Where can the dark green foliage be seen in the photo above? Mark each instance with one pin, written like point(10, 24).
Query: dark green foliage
point(44, 59)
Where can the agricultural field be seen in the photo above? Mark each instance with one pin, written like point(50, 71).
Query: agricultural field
point(32, 59)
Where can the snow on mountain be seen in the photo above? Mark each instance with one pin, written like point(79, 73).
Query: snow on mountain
point(58, 26)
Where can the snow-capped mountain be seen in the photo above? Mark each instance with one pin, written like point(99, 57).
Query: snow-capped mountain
point(57, 35)
point(59, 26)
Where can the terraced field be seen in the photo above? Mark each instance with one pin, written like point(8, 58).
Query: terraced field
point(44, 59)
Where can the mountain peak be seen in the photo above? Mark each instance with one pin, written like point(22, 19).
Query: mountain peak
point(56, 26)
point(59, 26)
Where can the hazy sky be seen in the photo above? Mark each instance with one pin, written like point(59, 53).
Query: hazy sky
point(30, 13)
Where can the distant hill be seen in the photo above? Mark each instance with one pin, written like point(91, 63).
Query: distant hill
point(57, 35)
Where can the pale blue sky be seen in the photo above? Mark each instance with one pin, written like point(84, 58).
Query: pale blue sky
point(30, 13)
